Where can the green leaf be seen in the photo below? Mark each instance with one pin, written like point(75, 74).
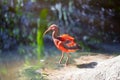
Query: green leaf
point(43, 14)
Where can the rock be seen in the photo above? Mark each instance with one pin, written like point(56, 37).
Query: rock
point(106, 70)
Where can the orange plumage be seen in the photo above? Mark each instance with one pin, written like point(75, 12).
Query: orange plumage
point(65, 42)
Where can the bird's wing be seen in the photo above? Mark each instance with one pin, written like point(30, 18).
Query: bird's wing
point(68, 42)
point(66, 37)
point(65, 48)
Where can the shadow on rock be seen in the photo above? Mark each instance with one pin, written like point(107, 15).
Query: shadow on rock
point(88, 65)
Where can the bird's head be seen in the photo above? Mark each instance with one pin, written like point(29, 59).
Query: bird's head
point(53, 27)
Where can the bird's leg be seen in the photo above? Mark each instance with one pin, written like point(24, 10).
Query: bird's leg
point(61, 58)
point(66, 63)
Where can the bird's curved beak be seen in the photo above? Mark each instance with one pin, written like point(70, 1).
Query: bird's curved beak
point(46, 32)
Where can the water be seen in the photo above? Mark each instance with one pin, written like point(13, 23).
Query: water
point(13, 62)
point(9, 66)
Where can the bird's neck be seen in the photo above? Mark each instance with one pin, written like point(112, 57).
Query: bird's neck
point(55, 34)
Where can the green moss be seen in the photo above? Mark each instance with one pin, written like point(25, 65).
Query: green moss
point(3, 70)
point(29, 73)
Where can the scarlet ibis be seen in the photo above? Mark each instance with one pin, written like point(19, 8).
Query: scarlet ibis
point(64, 42)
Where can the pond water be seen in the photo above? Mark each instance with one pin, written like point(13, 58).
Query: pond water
point(9, 66)
point(12, 62)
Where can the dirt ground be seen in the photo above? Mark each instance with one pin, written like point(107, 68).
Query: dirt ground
point(81, 65)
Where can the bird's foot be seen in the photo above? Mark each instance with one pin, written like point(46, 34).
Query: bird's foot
point(66, 64)
point(60, 62)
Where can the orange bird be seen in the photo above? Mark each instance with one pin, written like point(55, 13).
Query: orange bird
point(64, 42)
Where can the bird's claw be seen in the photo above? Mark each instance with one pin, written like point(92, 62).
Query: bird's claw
point(59, 62)
point(66, 64)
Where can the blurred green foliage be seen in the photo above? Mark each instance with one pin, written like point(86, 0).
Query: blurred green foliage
point(18, 27)
point(41, 26)
point(22, 22)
